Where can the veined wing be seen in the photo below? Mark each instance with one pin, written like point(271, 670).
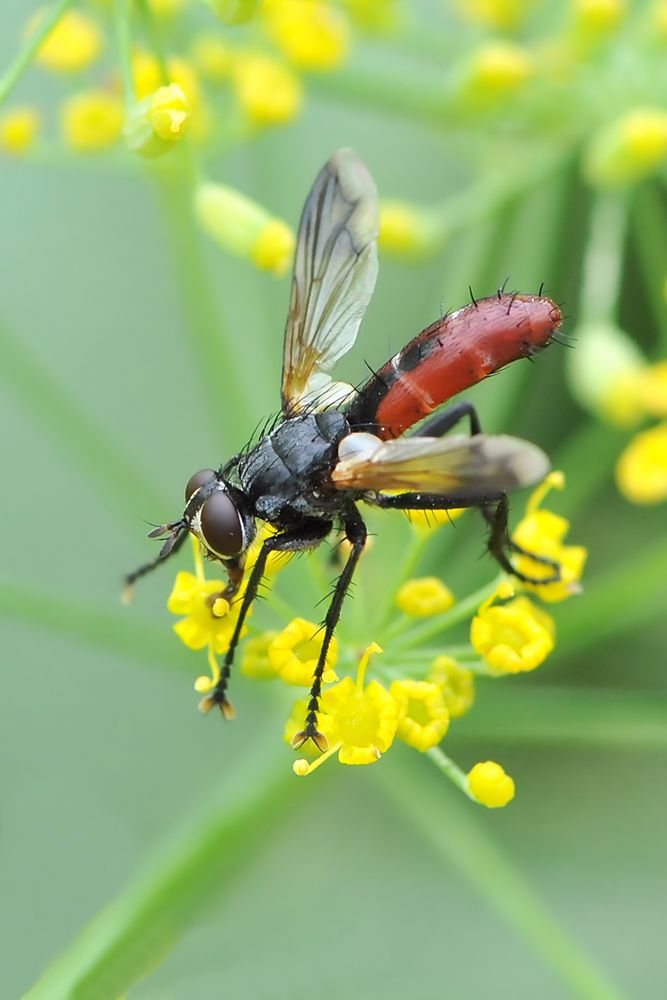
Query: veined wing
point(334, 275)
point(457, 466)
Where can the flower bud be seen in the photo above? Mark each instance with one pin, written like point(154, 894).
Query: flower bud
point(233, 11)
point(268, 92)
point(490, 784)
point(503, 14)
point(604, 373)
point(405, 230)
point(598, 17)
point(244, 228)
point(630, 148)
point(310, 34)
point(158, 122)
point(495, 72)
point(18, 129)
point(72, 44)
point(92, 120)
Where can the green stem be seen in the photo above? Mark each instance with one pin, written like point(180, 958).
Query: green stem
point(123, 27)
point(450, 827)
point(418, 100)
point(115, 631)
point(624, 599)
point(584, 477)
point(603, 260)
point(216, 352)
point(407, 570)
point(441, 623)
point(202, 861)
point(154, 37)
point(121, 484)
point(521, 713)
point(650, 228)
point(447, 767)
point(485, 197)
point(25, 57)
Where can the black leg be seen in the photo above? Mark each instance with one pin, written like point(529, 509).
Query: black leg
point(495, 510)
point(448, 418)
point(500, 543)
point(170, 547)
point(356, 533)
point(428, 501)
point(307, 536)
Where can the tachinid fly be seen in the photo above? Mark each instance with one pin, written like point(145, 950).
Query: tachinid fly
point(336, 446)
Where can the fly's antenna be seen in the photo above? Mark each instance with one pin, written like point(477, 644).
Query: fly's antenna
point(178, 534)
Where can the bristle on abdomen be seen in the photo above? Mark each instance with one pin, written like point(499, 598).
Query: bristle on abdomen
point(451, 355)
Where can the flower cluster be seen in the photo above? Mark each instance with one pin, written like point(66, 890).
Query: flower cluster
point(409, 693)
point(612, 378)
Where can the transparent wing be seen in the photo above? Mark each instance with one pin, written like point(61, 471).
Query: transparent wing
point(334, 275)
point(458, 466)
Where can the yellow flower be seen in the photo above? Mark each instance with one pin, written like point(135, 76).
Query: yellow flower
point(294, 653)
point(424, 597)
point(18, 129)
point(374, 16)
point(512, 637)
point(268, 92)
point(653, 389)
point(630, 148)
point(72, 45)
point(92, 121)
point(255, 661)
point(542, 532)
point(359, 722)
point(657, 19)
point(457, 684)
point(504, 14)
point(641, 471)
point(423, 718)
point(312, 35)
point(167, 8)
point(213, 57)
point(405, 229)
point(207, 622)
point(490, 785)
point(274, 248)
point(598, 17)
point(495, 72)
point(148, 77)
point(233, 11)
point(158, 122)
point(244, 228)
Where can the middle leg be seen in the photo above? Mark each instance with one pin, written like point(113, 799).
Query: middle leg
point(356, 533)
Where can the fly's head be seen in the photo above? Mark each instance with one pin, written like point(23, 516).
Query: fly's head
point(217, 513)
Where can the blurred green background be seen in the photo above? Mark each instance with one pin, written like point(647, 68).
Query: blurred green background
point(342, 891)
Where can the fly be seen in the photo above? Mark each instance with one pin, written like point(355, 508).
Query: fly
point(336, 447)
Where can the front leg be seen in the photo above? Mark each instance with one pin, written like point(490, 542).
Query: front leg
point(307, 535)
point(355, 531)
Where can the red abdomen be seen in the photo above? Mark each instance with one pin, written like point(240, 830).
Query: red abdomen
point(451, 355)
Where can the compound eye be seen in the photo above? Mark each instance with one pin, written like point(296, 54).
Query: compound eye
point(221, 525)
point(199, 479)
